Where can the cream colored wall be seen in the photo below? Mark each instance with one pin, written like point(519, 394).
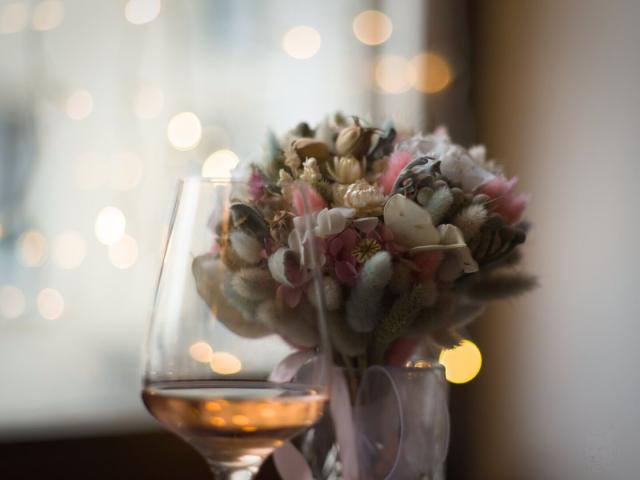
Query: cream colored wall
point(558, 100)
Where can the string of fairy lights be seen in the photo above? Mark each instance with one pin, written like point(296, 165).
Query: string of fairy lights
point(391, 74)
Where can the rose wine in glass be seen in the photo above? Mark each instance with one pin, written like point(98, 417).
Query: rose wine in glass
point(229, 368)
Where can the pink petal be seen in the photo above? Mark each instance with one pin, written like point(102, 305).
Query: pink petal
point(350, 238)
point(346, 273)
point(397, 162)
point(428, 263)
point(316, 202)
point(335, 245)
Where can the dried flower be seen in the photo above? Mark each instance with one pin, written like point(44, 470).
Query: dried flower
point(310, 171)
point(291, 159)
point(309, 148)
point(345, 170)
point(365, 249)
point(364, 304)
point(332, 221)
point(285, 182)
point(355, 140)
point(280, 226)
point(366, 199)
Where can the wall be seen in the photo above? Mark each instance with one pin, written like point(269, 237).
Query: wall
point(557, 99)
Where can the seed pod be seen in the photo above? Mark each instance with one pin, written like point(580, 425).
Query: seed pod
point(310, 148)
point(354, 140)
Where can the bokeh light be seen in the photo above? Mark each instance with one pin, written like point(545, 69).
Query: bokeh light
point(301, 42)
point(394, 74)
point(124, 253)
point(69, 250)
point(372, 27)
point(79, 105)
point(110, 225)
point(225, 363)
point(219, 164)
point(12, 301)
point(32, 248)
point(201, 352)
point(13, 17)
point(47, 15)
point(50, 303)
point(126, 170)
point(461, 363)
point(149, 102)
point(240, 420)
point(184, 131)
point(140, 12)
point(433, 73)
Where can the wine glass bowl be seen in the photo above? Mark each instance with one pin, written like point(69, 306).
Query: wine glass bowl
point(219, 333)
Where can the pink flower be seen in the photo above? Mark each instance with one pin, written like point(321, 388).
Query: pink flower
point(256, 186)
point(316, 202)
point(399, 159)
point(505, 202)
point(340, 256)
point(427, 263)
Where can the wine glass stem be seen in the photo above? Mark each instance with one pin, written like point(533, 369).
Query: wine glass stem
point(232, 474)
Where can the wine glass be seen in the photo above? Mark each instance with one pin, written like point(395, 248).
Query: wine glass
point(220, 333)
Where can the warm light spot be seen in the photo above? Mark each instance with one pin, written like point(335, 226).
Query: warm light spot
point(89, 170)
point(372, 27)
point(32, 248)
point(110, 225)
point(69, 249)
point(240, 420)
point(50, 303)
point(47, 15)
point(267, 412)
point(394, 74)
point(201, 352)
point(219, 164)
point(79, 105)
point(421, 364)
point(140, 12)
point(1, 231)
point(124, 253)
point(148, 102)
point(461, 363)
point(184, 131)
point(301, 42)
point(213, 406)
point(249, 428)
point(217, 421)
point(13, 17)
point(225, 363)
point(12, 301)
point(125, 171)
point(433, 73)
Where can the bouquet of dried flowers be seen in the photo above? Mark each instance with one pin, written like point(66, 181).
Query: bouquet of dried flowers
point(414, 236)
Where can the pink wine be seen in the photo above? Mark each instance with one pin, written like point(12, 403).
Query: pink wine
point(233, 423)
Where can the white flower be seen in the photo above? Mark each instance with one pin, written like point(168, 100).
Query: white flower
point(458, 166)
point(434, 145)
point(300, 241)
point(332, 221)
point(412, 227)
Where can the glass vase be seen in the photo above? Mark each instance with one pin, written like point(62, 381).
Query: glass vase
point(400, 418)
